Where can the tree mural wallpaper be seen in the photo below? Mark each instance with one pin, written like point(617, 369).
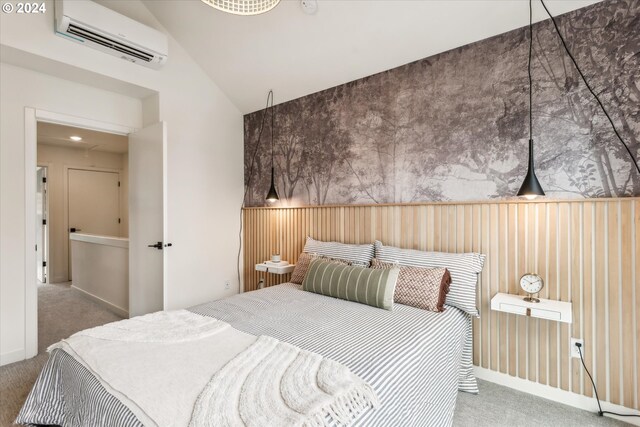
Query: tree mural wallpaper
point(454, 126)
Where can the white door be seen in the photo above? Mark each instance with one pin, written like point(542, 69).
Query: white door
point(41, 223)
point(94, 203)
point(146, 219)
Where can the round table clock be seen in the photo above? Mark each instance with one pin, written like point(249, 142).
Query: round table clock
point(531, 284)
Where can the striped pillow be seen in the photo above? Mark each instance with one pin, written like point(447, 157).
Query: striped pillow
point(302, 266)
point(356, 254)
point(464, 269)
point(352, 283)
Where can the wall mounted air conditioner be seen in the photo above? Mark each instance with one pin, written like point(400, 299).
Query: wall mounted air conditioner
point(96, 26)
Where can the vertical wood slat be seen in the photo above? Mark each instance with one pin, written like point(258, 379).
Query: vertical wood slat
point(552, 284)
point(599, 369)
point(575, 248)
point(614, 303)
point(629, 386)
point(587, 251)
point(564, 287)
point(635, 225)
point(543, 325)
point(588, 286)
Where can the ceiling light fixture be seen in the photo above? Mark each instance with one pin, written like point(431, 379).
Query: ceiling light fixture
point(243, 7)
point(75, 138)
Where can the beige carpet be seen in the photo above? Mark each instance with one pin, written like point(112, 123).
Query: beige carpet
point(62, 311)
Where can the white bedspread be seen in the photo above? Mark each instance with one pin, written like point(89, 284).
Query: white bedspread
point(178, 368)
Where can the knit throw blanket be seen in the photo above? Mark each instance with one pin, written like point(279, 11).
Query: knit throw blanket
point(277, 384)
point(218, 376)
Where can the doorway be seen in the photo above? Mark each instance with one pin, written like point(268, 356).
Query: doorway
point(86, 190)
point(144, 204)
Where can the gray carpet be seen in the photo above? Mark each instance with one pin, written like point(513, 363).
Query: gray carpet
point(63, 311)
point(502, 406)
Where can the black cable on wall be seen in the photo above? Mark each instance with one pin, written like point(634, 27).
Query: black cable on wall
point(248, 184)
point(584, 79)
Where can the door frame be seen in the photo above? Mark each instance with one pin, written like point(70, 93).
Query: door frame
point(31, 118)
point(45, 248)
point(65, 200)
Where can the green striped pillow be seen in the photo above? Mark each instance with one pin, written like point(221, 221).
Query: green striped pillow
point(352, 283)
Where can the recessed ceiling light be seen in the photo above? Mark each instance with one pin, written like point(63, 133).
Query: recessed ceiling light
point(76, 138)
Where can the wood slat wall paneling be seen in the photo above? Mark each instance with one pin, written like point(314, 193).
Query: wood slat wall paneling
point(587, 251)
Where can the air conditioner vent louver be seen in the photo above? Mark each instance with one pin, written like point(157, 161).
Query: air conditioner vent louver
point(112, 44)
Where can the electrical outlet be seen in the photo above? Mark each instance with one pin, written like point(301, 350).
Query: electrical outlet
point(574, 348)
point(227, 284)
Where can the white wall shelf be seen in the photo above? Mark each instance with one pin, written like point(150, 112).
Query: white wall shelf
point(275, 269)
point(559, 311)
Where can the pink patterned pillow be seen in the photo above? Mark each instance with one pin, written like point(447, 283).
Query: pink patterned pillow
point(424, 288)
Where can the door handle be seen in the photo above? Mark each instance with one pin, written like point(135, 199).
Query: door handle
point(158, 246)
point(73, 230)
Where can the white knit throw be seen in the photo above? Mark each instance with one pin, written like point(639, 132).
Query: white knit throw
point(273, 383)
point(160, 327)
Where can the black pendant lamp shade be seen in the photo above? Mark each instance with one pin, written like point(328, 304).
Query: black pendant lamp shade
point(272, 195)
point(531, 187)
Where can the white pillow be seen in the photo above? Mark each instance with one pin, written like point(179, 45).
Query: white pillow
point(357, 254)
point(464, 269)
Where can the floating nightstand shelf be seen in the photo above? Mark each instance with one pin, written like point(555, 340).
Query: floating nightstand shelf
point(275, 269)
point(559, 311)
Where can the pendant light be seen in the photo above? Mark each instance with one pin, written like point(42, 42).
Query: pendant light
point(272, 195)
point(531, 187)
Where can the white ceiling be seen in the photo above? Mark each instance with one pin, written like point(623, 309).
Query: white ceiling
point(59, 135)
point(296, 54)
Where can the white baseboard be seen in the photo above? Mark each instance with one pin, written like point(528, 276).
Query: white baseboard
point(12, 357)
point(106, 304)
point(557, 395)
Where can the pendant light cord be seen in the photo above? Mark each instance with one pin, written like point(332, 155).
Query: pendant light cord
point(272, 120)
point(248, 184)
point(584, 79)
point(529, 69)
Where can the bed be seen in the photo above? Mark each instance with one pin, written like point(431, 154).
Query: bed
point(415, 360)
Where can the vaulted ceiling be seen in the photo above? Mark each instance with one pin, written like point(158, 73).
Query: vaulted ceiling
point(296, 54)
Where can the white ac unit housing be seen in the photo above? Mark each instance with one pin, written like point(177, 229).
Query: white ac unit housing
point(101, 28)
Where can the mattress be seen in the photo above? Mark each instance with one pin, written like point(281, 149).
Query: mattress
point(415, 360)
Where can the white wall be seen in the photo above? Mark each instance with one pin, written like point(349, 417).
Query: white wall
point(204, 158)
point(56, 159)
